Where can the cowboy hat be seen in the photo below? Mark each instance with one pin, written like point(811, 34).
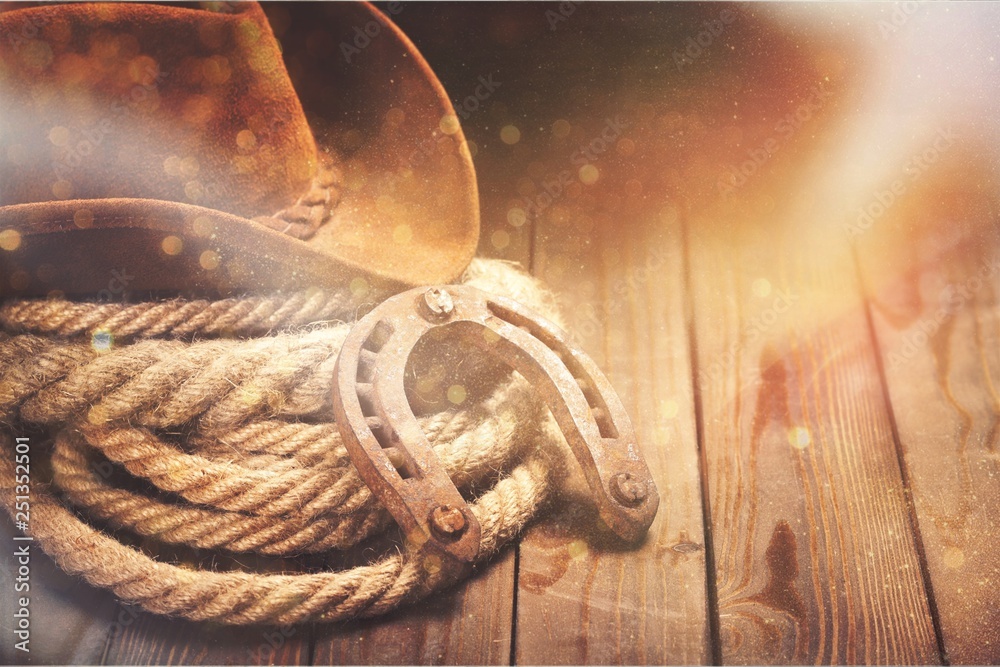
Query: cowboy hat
point(164, 148)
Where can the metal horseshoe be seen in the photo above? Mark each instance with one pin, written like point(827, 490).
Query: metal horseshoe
point(395, 459)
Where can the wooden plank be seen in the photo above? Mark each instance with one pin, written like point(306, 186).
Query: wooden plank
point(584, 598)
point(931, 267)
point(149, 639)
point(609, 200)
point(816, 560)
point(469, 624)
point(153, 640)
point(598, 167)
point(473, 622)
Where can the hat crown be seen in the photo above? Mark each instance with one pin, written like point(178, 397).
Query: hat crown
point(171, 139)
point(104, 101)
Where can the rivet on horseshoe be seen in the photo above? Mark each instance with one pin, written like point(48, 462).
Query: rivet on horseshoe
point(395, 459)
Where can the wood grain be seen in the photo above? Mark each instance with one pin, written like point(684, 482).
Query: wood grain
point(468, 625)
point(585, 598)
point(141, 638)
point(832, 413)
point(816, 560)
point(472, 623)
point(154, 640)
point(932, 272)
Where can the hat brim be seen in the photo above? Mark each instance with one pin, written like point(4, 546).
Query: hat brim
point(104, 247)
point(407, 216)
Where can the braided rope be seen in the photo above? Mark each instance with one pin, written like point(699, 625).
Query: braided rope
point(247, 316)
point(471, 458)
point(314, 208)
point(244, 598)
point(216, 426)
point(75, 473)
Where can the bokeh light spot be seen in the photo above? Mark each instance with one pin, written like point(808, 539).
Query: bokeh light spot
point(172, 166)
point(62, 189)
point(500, 239)
point(194, 190)
point(490, 336)
point(246, 140)
point(172, 245)
point(432, 564)
point(516, 216)
point(19, 280)
point(953, 558)
point(97, 415)
point(761, 287)
point(202, 226)
point(394, 117)
point(84, 218)
point(59, 135)
point(589, 174)
point(449, 124)
point(510, 135)
point(102, 340)
point(561, 128)
point(359, 287)
point(577, 549)
point(10, 239)
point(209, 260)
point(402, 234)
point(799, 437)
point(456, 394)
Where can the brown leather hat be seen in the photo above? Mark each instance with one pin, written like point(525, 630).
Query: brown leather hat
point(164, 147)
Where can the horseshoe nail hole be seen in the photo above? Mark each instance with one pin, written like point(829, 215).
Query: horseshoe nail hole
point(366, 365)
point(405, 472)
point(384, 435)
point(366, 398)
point(604, 423)
point(396, 458)
point(379, 336)
point(375, 424)
point(405, 468)
point(590, 393)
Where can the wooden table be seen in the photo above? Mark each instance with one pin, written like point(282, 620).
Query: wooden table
point(786, 261)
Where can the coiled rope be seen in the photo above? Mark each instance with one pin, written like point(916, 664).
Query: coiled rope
point(223, 409)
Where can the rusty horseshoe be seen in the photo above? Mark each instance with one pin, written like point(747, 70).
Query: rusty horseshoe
point(395, 459)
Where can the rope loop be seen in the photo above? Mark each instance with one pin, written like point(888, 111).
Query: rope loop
point(208, 424)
